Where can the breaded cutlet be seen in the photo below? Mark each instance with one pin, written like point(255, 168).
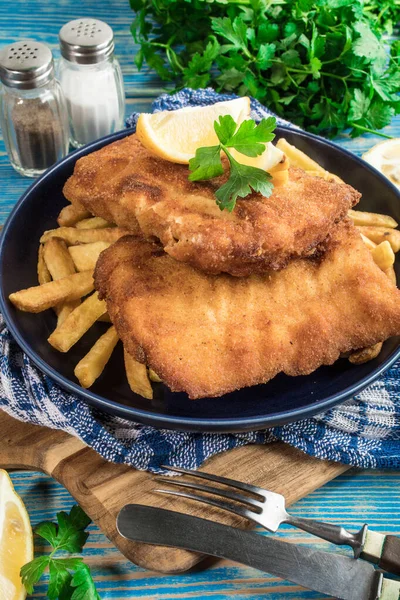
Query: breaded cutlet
point(125, 184)
point(208, 335)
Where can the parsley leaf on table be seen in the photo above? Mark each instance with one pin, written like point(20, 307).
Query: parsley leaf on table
point(83, 583)
point(32, 572)
point(248, 139)
point(47, 531)
point(71, 535)
point(69, 577)
point(60, 581)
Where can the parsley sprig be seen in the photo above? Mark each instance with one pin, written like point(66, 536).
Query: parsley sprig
point(70, 577)
point(323, 64)
point(248, 139)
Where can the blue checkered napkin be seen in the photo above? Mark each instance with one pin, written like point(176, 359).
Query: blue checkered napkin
point(364, 432)
point(204, 97)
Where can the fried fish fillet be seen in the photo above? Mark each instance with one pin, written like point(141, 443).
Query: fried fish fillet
point(125, 184)
point(208, 335)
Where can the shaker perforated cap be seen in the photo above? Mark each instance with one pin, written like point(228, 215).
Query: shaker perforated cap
point(86, 41)
point(26, 65)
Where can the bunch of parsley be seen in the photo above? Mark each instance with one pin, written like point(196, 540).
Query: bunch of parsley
point(386, 14)
point(322, 64)
point(69, 576)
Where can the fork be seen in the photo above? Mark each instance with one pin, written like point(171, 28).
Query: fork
point(266, 508)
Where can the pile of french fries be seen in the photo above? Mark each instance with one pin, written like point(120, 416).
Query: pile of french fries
point(68, 256)
point(378, 232)
point(66, 261)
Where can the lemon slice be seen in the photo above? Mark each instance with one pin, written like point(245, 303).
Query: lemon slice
point(16, 540)
point(266, 161)
point(385, 157)
point(176, 135)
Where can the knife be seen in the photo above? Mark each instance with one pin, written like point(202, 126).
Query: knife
point(383, 550)
point(331, 574)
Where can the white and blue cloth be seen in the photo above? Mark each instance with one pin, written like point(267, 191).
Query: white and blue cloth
point(364, 432)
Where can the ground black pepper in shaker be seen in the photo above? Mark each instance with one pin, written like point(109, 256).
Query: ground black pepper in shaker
point(33, 111)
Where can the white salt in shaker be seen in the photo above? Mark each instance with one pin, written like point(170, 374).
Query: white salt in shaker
point(91, 80)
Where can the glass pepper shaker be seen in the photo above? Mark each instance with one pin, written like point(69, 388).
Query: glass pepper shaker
point(33, 113)
point(91, 80)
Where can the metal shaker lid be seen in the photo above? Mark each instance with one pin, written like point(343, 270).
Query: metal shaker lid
point(86, 41)
point(26, 65)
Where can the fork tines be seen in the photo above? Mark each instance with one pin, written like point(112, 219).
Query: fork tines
point(252, 506)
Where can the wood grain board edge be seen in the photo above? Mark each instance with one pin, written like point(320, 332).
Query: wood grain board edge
point(103, 488)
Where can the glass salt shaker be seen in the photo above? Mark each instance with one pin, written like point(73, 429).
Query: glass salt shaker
point(91, 80)
point(33, 113)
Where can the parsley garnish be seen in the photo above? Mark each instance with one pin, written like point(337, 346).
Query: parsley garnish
point(311, 61)
point(70, 578)
point(249, 139)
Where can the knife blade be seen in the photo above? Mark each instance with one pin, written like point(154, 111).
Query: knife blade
point(331, 574)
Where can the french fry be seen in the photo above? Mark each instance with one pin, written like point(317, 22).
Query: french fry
point(73, 236)
point(94, 223)
point(60, 264)
point(371, 219)
point(58, 259)
point(297, 157)
point(300, 159)
point(71, 214)
point(154, 377)
point(77, 323)
point(64, 309)
point(41, 297)
point(283, 165)
point(391, 273)
point(280, 178)
point(280, 172)
point(325, 175)
point(85, 256)
point(365, 354)
point(105, 318)
point(369, 243)
point(92, 365)
point(42, 270)
point(138, 379)
point(383, 255)
point(380, 234)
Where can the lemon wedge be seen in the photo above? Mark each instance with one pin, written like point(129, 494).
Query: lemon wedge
point(385, 157)
point(265, 161)
point(16, 540)
point(176, 135)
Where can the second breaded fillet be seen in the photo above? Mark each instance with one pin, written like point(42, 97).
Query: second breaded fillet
point(208, 335)
point(127, 185)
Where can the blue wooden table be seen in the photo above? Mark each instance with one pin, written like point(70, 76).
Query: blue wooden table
point(352, 499)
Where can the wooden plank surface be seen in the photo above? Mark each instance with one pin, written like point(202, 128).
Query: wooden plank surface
point(351, 499)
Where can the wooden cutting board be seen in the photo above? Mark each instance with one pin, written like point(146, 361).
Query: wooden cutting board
point(103, 488)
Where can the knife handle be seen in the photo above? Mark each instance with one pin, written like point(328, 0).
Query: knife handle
point(390, 590)
point(390, 557)
point(383, 550)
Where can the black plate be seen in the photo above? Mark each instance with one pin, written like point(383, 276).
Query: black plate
point(280, 401)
